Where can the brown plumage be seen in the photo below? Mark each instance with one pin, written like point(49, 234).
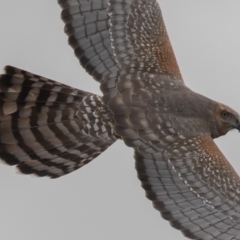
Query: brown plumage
point(50, 129)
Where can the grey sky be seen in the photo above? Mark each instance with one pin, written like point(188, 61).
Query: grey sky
point(104, 200)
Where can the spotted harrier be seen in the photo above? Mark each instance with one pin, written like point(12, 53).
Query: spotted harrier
point(50, 129)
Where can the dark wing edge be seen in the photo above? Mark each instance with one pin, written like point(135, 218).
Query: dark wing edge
point(111, 35)
point(184, 194)
point(87, 27)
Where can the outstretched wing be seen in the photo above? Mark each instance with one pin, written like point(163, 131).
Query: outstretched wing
point(194, 187)
point(87, 26)
point(109, 35)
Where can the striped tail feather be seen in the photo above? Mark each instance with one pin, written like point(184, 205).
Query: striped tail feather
point(48, 128)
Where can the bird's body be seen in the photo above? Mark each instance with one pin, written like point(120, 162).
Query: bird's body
point(50, 129)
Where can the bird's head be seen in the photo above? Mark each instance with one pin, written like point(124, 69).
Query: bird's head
point(227, 119)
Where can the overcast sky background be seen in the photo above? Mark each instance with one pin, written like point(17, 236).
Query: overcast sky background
point(104, 200)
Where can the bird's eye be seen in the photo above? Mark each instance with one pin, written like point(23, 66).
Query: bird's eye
point(225, 114)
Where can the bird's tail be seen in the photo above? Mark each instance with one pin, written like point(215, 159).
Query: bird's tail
point(48, 128)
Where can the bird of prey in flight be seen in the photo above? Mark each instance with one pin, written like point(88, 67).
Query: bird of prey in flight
point(50, 129)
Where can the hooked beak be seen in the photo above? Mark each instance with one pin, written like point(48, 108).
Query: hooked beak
point(238, 126)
